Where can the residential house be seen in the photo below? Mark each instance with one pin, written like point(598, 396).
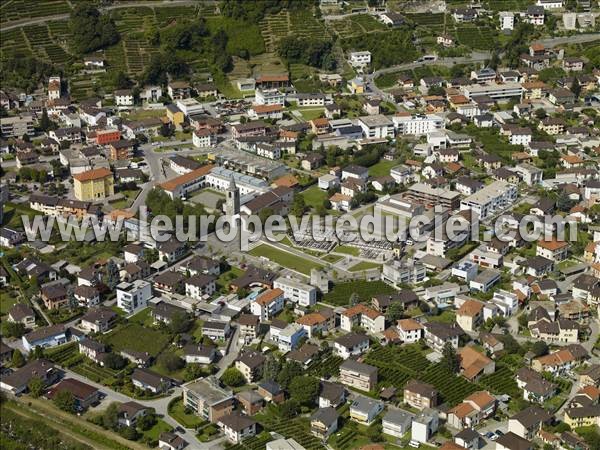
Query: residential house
point(365, 410)
point(420, 395)
point(358, 375)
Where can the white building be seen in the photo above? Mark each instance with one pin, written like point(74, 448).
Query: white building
point(491, 199)
point(417, 124)
point(293, 290)
point(124, 98)
point(190, 106)
point(494, 90)
point(132, 297)
point(360, 59)
point(268, 304)
point(269, 97)
point(550, 4)
point(219, 178)
point(203, 138)
point(376, 126)
point(506, 301)
point(507, 20)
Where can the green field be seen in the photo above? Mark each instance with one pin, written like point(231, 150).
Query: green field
point(177, 412)
point(382, 168)
point(340, 294)
point(285, 259)
point(134, 336)
point(314, 196)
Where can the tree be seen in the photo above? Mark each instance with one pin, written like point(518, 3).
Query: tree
point(289, 409)
point(17, 358)
point(114, 361)
point(129, 433)
point(233, 377)
point(110, 417)
point(304, 389)
point(540, 113)
point(45, 122)
point(13, 329)
point(298, 206)
point(576, 87)
point(166, 130)
point(354, 299)
point(170, 361)
point(450, 360)
point(90, 30)
point(36, 387)
point(395, 312)
point(37, 353)
point(539, 348)
point(180, 323)
point(147, 421)
point(271, 368)
point(64, 400)
point(288, 372)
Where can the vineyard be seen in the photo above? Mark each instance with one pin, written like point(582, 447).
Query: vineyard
point(326, 368)
point(340, 294)
point(356, 25)
point(453, 389)
point(27, 9)
point(298, 429)
point(253, 443)
point(397, 364)
point(301, 23)
point(476, 37)
point(501, 382)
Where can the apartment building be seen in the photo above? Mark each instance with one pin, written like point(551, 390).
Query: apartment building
point(420, 395)
point(268, 304)
point(95, 184)
point(302, 294)
point(132, 297)
point(430, 197)
point(491, 199)
point(398, 272)
point(417, 124)
point(363, 316)
point(358, 375)
point(207, 399)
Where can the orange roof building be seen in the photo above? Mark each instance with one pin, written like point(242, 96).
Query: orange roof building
point(94, 185)
point(180, 186)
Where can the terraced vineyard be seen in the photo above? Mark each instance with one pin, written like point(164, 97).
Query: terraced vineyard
point(254, 443)
point(397, 364)
point(330, 366)
point(434, 21)
point(301, 23)
point(452, 388)
point(12, 10)
point(475, 37)
point(356, 25)
point(297, 429)
point(501, 382)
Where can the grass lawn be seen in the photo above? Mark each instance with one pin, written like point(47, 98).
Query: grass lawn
point(143, 317)
point(285, 259)
point(134, 336)
point(160, 427)
point(364, 265)
point(127, 201)
point(226, 277)
point(445, 317)
point(7, 300)
point(310, 114)
point(332, 258)
point(347, 250)
point(177, 412)
point(382, 168)
point(146, 113)
point(340, 294)
point(314, 196)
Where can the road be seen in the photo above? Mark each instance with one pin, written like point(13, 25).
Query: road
point(449, 62)
point(160, 405)
point(39, 20)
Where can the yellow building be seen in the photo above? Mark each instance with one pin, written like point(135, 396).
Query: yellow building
point(356, 86)
point(94, 184)
point(583, 417)
point(175, 116)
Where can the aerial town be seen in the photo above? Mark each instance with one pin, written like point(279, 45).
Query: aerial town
point(149, 299)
